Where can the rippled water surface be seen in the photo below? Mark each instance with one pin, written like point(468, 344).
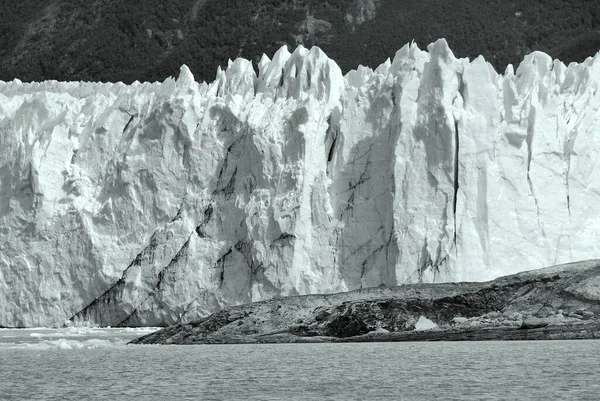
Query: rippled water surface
point(76, 364)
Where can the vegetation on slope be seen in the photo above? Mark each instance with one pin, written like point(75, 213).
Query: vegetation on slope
point(112, 40)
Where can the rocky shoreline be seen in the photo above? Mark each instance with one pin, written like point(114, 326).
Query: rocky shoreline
point(560, 302)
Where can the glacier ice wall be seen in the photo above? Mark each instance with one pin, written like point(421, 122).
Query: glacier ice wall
point(151, 204)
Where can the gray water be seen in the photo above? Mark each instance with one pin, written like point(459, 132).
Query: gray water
point(78, 364)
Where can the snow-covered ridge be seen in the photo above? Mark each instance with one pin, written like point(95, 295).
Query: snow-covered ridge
point(146, 204)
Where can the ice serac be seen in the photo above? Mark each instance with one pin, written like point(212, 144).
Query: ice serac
point(150, 204)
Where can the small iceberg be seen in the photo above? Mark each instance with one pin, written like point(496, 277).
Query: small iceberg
point(424, 324)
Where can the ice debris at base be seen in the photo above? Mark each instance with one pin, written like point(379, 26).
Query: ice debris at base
point(424, 324)
point(69, 338)
point(153, 203)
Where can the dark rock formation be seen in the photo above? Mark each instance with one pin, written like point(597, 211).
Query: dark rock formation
point(504, 309)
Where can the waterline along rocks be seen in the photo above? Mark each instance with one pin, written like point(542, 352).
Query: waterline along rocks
point(158, 203)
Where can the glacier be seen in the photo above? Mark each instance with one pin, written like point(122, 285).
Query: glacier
point(156, 203)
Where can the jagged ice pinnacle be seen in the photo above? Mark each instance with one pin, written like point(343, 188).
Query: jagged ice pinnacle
point(149, 204)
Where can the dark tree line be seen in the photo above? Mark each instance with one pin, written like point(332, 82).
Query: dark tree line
point(148, 40)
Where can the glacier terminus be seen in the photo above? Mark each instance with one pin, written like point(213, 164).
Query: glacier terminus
point(155, 203)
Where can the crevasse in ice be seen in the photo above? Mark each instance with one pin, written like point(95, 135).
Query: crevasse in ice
point(152, 203)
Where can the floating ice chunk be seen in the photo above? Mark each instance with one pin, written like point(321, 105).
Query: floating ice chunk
point(424, 324)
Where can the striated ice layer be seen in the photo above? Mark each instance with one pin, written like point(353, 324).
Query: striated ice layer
point(149, 204)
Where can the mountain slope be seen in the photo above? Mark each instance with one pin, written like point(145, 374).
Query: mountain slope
point(111, 40)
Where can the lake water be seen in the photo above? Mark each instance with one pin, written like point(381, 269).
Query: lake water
point(96, 364)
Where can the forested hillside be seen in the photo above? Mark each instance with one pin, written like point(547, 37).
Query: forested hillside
point(147, 40)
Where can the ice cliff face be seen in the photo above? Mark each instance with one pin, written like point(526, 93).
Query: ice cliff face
point(155, 203)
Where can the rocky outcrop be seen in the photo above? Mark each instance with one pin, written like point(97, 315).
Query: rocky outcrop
point(154, 204)
point(530, 305)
